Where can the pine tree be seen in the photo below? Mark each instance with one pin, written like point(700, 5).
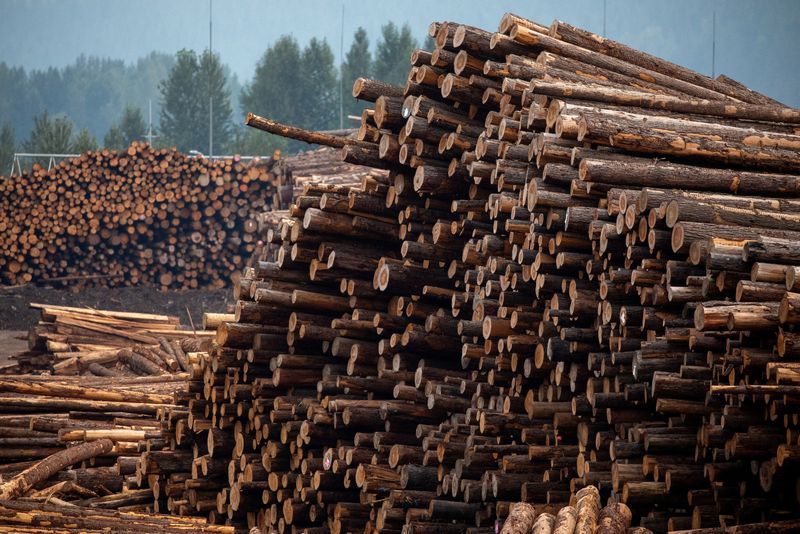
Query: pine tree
point(318, 88)
point(430, 43)
point(130, 127)
point(50, 136)
point(273, 91)
point(211, 82)
point(84, 142)
point(132, 124)
point(357, 63)
point(114, 138)
point(393, 54)
point(181, 105)
point(7, 147)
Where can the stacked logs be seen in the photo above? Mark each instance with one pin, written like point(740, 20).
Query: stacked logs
point(321, 165)
point(577, 220)
point(146, 216)
point(72, 446)
point(70, 341)
point(568, 287)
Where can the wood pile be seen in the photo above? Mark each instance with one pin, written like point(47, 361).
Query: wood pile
point(586, 515)
point(321, 165)
point(70, 450)
point(70, 341)
point(577, 275)
point(146, 216)
point(575, 288)
point(71, 444)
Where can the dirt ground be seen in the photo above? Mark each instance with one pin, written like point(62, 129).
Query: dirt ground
point(15, 313)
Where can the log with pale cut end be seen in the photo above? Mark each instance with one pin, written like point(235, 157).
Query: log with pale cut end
point(565, 520)
point(47, 467)
point(789, 310)
point(587, 505)
point(614, 519)
point(520, 520)
point(543, 524)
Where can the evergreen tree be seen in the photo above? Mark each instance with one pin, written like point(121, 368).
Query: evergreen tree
point(430, 43)
point(114, 138)
point(393, 54)
point(357, 63)
point(130, 127)
point(273, 92)
point(211, 82)
point(50, 136)
point(318, 88)
point(7, 148)
point(132, 124)
point(181, 106)
point(84, 142)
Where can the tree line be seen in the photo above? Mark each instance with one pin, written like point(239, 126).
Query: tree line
point(102, 102)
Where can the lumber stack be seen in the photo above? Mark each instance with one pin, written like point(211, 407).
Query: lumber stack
point(69, 341)
point(593, 287)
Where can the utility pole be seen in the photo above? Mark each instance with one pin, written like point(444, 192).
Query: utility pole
point(150, 135)
point(714, 41)
point(341, 72)
point(210, 98)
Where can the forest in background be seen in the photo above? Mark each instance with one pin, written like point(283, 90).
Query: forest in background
point(102, 102)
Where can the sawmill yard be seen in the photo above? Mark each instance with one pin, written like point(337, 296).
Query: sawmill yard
point(550, 284)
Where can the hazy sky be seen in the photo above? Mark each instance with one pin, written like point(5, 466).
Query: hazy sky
point(757, 42)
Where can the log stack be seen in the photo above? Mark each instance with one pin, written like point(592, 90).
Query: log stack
point(74, 341)
point(569, 282)
point(592, 284)
point(146, 216)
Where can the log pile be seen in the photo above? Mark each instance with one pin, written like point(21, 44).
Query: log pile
point(586, 515)
point(146, 216)
point(573, 288)
point(70, 341)
point(588, 281)
point(321, 165)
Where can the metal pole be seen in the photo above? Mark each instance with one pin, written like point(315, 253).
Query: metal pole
point(341, 73)
point(714, 42)
point(210, 98)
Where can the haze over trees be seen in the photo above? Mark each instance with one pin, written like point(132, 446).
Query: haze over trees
point(67, 110)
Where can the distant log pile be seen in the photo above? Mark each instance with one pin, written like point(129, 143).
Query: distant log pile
point(146, 216)
point(70, 341)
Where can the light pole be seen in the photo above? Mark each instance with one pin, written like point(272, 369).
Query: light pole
point(210, 98)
